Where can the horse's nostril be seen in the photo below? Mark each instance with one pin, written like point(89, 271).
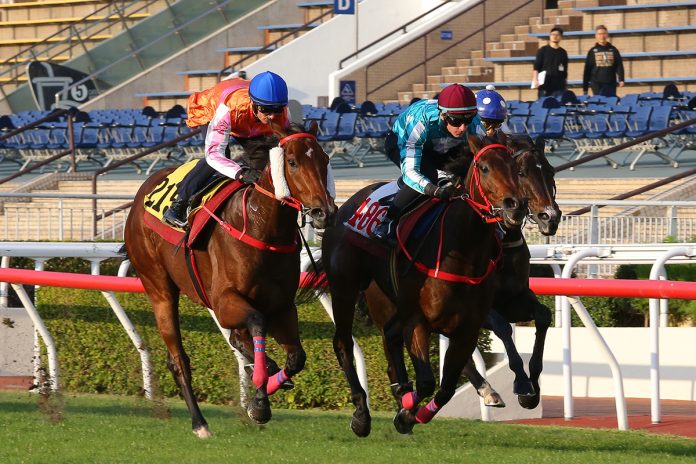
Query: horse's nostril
point(317, 213)
point(510, 203)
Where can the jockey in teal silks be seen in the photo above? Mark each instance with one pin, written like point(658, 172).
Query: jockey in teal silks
point(419, 136)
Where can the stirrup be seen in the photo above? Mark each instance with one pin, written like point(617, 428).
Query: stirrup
point(386, 232)
point(173, 215)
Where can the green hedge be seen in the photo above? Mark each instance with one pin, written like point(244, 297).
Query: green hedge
point(96, 356)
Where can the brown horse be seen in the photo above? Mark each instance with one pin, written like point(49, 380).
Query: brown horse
point(250, 290)
point(514, 301)
point(427, 302)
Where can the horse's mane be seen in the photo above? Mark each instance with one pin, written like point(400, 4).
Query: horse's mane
point(457, 160)
point(256, 150)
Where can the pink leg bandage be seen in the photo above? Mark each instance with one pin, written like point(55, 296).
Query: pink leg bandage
point(426, 413)
point(410, 400)
point(260, 371)
point(276, 381)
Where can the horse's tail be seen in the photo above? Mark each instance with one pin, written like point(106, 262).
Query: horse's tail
point(123, 251)
point(313, 284)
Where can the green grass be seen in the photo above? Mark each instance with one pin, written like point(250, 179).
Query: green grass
point(101, 428)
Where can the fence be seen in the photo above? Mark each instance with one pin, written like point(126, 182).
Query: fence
point(75, 217)
point(570, 256)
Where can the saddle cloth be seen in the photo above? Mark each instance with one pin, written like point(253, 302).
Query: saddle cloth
point(372, 210)
point(412, 225)
point(161, 197)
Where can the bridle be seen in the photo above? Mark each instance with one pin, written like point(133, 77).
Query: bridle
point(289, 200)
point(549, 191)
point(485, 209)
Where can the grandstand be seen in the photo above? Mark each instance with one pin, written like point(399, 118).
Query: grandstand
point(655, 39)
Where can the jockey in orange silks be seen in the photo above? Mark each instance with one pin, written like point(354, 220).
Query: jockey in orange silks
point(233, 108)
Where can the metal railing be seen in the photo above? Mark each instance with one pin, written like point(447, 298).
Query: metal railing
point(73, 40)
point(272, 46)
point(401, 28)
point(481, 31)
point(130, 159)
point(61, 154)
point(182, 33)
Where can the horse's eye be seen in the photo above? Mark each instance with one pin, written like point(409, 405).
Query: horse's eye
point(483, 168)
point(292, 163)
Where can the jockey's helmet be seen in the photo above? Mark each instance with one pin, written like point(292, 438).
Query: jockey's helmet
point(491, 105)
point(456, 99)
point(269, 91)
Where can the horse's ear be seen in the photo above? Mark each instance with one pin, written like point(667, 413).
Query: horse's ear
point(474, 143)
point(314, 128)
point(540, 144)
point(277, 130)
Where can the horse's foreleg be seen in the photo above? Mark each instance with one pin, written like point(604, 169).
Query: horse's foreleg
point(542, 321)
point(344, 296)
point(259, 408)
point(393, 341)
point(417, 338)
point(286, 332)
point(521, 385)
point(241, 340)
point(483, 388)
point(165, 304)
point(456, 357)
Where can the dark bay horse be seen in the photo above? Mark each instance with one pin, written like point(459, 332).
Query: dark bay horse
point(427, 302)
point(514, 301)
point(251, 290)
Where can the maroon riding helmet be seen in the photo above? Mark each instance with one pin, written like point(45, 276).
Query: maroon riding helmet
point(456, 99)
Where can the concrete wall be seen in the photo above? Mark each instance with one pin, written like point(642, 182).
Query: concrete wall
point(411, 58)
point(16, 342)
point(631, 346)
point(202, 55)
point(307, 62)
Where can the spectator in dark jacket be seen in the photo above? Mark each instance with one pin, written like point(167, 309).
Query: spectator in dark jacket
point(552, 59)
point(602, 66)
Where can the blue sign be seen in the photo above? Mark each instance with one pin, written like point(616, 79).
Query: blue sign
point(344, 7)
point(445, 35)
point(347, 91)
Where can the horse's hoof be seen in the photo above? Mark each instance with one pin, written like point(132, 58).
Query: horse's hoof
point(287, 385)
point(403, 422)
point(361, 424)
point(259, 410)
point(523, 388)
point(494, 401)
point(202, 432)
point(529, 402)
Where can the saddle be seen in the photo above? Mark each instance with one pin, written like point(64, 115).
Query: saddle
point(159, 200)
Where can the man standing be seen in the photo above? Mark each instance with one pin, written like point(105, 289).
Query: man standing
point(602, 66)
point(553, 60)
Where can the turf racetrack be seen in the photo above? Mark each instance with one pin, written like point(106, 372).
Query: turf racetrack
point(100, 428)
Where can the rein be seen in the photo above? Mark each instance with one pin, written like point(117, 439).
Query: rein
point(436, 273)
point(486, 209)
point(290, 201)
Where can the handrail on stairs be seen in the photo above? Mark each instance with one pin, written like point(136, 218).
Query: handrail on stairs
point(271, 46)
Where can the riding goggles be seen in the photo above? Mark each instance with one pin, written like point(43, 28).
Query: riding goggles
point(273, 109)
point(491, 123)
point(457, 120)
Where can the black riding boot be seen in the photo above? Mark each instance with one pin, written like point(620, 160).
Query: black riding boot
point(386, 230)
point(176, 214)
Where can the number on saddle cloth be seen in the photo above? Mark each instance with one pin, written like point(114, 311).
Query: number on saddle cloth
point(370, 213)
point(164, 193)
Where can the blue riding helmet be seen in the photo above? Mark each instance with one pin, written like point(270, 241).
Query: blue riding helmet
point(268, 89)
point(491, 105)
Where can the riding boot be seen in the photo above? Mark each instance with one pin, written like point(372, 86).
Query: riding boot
point(386, 229)
point(176, 214)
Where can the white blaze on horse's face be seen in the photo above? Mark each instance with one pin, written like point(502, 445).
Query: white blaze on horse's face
point(309, 153)
point(280, 183)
